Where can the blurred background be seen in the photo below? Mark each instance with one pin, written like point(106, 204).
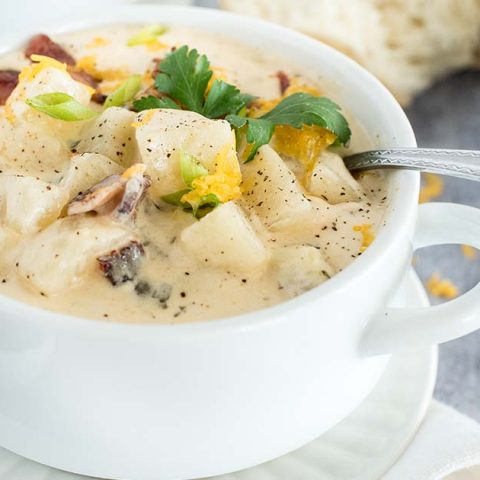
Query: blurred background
point(428, 53)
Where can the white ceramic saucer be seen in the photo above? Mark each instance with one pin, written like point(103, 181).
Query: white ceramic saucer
point(362, 447)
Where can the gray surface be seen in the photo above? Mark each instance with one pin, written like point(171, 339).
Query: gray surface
point(448, 115)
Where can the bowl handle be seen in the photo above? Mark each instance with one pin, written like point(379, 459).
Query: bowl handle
point(402, 328)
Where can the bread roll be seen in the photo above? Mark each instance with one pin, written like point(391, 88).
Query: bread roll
point(407, 44)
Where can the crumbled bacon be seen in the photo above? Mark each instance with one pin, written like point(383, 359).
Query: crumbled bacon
point(42, 44)
point(121, 266)
point(8, 82)
point(99, 98)
point(284, 81)
point(83, 77)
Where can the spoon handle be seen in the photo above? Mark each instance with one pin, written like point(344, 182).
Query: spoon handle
point(456, 163)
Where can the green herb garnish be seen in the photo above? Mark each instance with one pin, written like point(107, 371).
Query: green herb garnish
point(61, 106)
point(125, 92)
point(146, 35)
point(295, 110)
point(151, 102)
point(190, 169)
point(184, 78)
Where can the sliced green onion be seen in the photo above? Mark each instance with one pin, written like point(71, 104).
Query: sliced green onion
point(125, 92)
point(191, 168)
point(176, 198)
point(146, 35)
point(61, 106)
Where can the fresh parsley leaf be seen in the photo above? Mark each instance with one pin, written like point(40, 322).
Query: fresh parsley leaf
point(184, 76)
point(224, 99)
point(150, 102)
point(191, 168)
point(304, 109)
point(258, 133)
point(295, 110)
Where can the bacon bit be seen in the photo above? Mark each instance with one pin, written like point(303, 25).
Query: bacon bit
point(8, 82)
point(83, 77)
point(121, 266)
point(367, 236)
point(432, 188)
point(43, 45)
point(99, 98)
point(98, 42)
point(441, 288)
point(469, 252)
point(283, 80)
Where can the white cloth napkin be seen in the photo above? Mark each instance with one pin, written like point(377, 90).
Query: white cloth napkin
point(447, 446)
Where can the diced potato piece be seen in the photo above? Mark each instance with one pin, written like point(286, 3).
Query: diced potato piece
point(59, 258)
point(163, 134)
point(225, 238)
point(300, 268)
point(48, 80)
point(331, 180)
point(30, 149)
point(272, 190)
point(29, 204)
point(112, 135)
point(86, 170)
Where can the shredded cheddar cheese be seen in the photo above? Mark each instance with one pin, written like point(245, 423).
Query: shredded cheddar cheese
point(155, 45)
point(98, 42)
point(134, 170)
point(305, 144)
point(40, 62)
point(441, 287)
point(469, 252)
point(219, 73)
point(224, 183)
point(9, 115)
point(367, 235)
point(144, 118)
point(432, 188)
point(89, 65)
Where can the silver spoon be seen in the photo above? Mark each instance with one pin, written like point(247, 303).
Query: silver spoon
point(456, 163)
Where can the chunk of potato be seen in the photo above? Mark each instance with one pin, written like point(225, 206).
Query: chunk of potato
point(60, 257)
point(48, 80)
point(163, 134)
point(30, 149)
point(29, 204)
point(225, 238)
point(331, 180)
point(86, 170)
point(273, 192)
point(111, 134)
point(300, 268)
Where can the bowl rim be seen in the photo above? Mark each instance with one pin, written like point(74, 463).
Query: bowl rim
point(402, 207)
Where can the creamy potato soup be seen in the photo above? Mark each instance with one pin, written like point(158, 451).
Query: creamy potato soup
point(161, 174)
